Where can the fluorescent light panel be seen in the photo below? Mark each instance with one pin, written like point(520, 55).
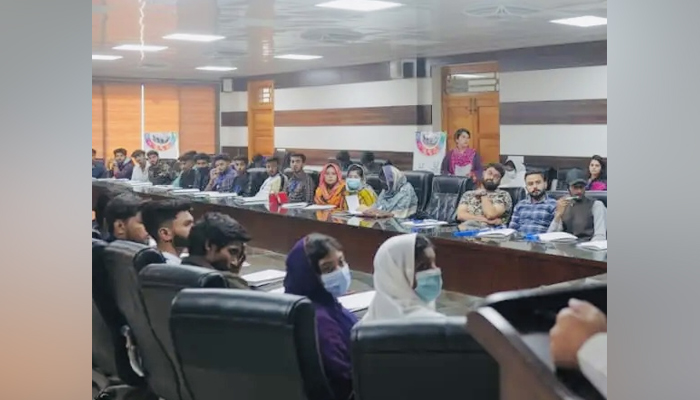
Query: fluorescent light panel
point(191, 37)
point(583, 22)
point(301, 57)
point(139, 47)
point(359, 5)
point(215, 68)
point(104, 57)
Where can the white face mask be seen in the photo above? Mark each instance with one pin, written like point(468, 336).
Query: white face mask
point(511, 174)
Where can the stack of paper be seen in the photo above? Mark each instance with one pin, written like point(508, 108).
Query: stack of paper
point(357, 301)
point(496, 233)
point(277, 290)
point(556, 237)
point(294, 205)
point(252, 200)
point(424, 223)
point(595, 245)
point(184, 191)
point(320, 207)
point(220, 194)
point(262, 278)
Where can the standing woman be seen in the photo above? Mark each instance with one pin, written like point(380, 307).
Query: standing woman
point(597, 174)
point(316, 269)
point(356, 184)
point(331, 188)
point(462, 160)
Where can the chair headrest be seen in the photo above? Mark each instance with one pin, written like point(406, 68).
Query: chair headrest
point(148, 256)
point(448, 184)
point(247, 305)
point(181, 276)
point(447, 334)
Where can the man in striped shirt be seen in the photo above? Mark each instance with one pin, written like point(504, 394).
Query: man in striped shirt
point(534, 214)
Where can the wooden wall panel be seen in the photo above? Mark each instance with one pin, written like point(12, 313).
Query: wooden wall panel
point(98, 126)
point(198, 118)
point(393, 115)
point(122, 117)
point(161, 108)
point(561, 112)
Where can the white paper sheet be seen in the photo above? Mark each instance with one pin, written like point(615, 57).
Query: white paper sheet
point(595, 245)
point(261, 278)
point(497, 233)
point(294, 205)
point(320, 207)
point(357, 301)
point(423, 224)
point(556, 237)
point(353, 202)
point(277, 290)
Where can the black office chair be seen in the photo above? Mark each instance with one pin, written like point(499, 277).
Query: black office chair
point(109, 353)
point(516, 193)
point(257, 176)
point(418, 359)
point(124, 260)
point(159, 285)
point(422, 182)
point(374, 182)
point(561, 178)
point(445, 196)
point(246, 344)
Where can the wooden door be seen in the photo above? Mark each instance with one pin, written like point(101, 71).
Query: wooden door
point(261, 118)
point(471, 101)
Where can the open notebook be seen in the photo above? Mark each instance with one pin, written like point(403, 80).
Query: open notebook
point(262, 278)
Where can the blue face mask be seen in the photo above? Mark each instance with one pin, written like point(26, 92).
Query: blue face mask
point(353, 183)
point(429, 284)
point(337, 282)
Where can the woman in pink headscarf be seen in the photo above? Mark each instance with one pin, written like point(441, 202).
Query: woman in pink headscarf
point(462, 160)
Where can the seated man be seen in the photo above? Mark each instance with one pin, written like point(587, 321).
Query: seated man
point(187, 175)
point(222, 175)
point(98, 167)
point(122, 216)
point(579, 215)
point(122, 167)
point(241, 183)
point(218, 242)
point(141, 165)
point(169, 223)
point(159, 171)
point(300, 187)
point(275, 179)
point(488, 205)
point(202, 171)
point(534, 214)
point(579, 340)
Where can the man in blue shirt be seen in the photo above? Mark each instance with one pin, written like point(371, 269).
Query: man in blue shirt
point(535, 213)
point(98, 168)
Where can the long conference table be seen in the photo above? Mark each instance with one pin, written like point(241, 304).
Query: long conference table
point(474, 266)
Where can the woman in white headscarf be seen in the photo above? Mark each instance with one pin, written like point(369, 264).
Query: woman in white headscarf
point(406, 279)
point(515, 174)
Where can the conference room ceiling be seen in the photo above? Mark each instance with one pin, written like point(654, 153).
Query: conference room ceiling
point(256, 31)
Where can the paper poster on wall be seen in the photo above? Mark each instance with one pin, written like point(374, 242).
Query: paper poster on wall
point(429, 150)
point(167, 144)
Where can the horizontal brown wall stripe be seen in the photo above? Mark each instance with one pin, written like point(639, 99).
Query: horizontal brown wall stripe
point(555, 161)
point(563, 112)
point(364, 116)
point(523, 59)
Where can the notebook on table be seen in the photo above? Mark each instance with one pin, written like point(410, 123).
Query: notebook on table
point(357, 301)
point(497, 233)
point(262, 278)
point(594, 245)
point(556, 237)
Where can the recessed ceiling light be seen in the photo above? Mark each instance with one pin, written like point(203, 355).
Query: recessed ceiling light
point(139, 47)
point(103, 57)
point(467, 76)
point(301, 57)
point(191, 37)
point(583, 22)
point(215, 68)
point(359, 5)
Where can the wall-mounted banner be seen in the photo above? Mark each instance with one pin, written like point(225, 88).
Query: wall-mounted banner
point(167, 144)
point(429, 150)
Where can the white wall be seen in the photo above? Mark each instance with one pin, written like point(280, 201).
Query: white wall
point(584, 83)
point(400, 92)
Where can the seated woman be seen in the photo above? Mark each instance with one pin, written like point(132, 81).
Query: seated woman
point(406, 279)
point(356, 184)
point(317, 269)
point(597, 174)
point(331, 188)
point(397, 199)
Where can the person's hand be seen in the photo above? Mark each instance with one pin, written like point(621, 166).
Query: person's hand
point(214, 173)
point(575, 325)
point(370, 212)
point(495, 221)
point(480, 193)
point(562, 203)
